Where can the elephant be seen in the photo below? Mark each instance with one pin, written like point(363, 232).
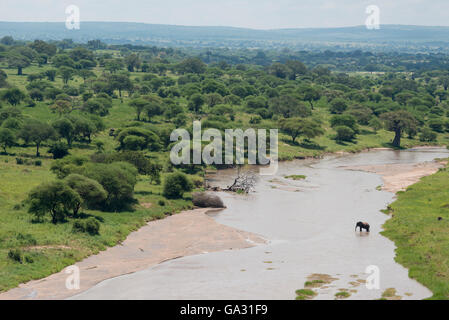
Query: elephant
point(362, 225)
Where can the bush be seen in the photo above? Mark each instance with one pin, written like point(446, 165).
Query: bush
point(176, 184)
point(118, 179)
point(90, 226)
point(161, 203)
point(38, 163)
point(15, 255)
point(198, 182)
point(427, 135)
point(255, 120)
point(344, 133)
point(59, 150)
point(437, 125)
point(90, 191)
point(19, 161)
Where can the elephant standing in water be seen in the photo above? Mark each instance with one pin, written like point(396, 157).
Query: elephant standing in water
point(362, 225)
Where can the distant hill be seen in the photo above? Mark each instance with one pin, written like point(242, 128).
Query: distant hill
point(388, 37)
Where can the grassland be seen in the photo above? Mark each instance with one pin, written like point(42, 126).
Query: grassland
point(422, 239)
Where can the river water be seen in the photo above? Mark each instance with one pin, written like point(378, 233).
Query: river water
point(309, 227)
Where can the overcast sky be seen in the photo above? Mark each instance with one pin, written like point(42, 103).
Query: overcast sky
point(259, 14)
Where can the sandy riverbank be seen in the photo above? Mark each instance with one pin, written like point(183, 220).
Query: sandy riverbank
point(397, 177)
point(187, 233)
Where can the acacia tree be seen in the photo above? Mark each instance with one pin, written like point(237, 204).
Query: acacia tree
point(398, 122)
point(311, 95)
point(56, 198)
point(296, 127)
point(138, 104)
point(66, 129)
point(37, 132)
point(18, 61)
point(7, 138)
point(13, 96)
point(66, 73)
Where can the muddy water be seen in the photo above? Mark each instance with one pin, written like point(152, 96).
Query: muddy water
point(309, 226)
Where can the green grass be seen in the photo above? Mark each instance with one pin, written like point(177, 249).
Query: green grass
point(314, 283)
point(305, 294)
point(342, 295)
point(296, 177)
point(422, 240)
point(53, 247)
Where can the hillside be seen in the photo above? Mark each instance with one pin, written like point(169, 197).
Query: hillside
point(389, 37)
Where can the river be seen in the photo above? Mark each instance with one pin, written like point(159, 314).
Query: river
point(309, 228)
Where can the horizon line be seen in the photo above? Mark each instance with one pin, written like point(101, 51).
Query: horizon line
point(234, 27)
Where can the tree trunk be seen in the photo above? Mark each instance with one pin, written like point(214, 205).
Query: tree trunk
point(37, 150)
point(397, 138)
point(19, 71)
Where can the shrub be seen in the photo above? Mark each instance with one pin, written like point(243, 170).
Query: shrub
point(38, 163)
point(118, 179)
point(338, 106)
point(90, 226)
point(255, 120)
point(90, 191)
point(15, 255)
point(19, 161)
point(427, 135)
point(59, 150)
point(176, 184)
point(437, 125)
point(344, 133)
point(161, 203)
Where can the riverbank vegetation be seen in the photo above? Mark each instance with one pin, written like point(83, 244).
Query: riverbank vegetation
point(419, 227)
point(85, 133)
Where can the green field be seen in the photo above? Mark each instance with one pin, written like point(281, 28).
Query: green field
point(422, 240)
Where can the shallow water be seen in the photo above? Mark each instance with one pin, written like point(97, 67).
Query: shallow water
point(309, 226)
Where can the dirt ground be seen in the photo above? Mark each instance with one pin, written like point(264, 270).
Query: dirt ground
point(187, 233)
point(398, 177)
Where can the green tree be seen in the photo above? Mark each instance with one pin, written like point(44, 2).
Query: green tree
point(311, 95)
point(37, 132)
point(18, 61)
point(65, 128)
point(289, 106)
point(55, 198)
point(66, 73)
point(338, 106)
point(118, 179)
point(61, 107)
point(13, 96)
point(398, 122)
point(175, 185)
point(139, 105)
point(344, 133)
point(191, 65)
point(132, 62)
point(91, 192)
point(196, 102)
point(7, 138)
point(296, 127)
